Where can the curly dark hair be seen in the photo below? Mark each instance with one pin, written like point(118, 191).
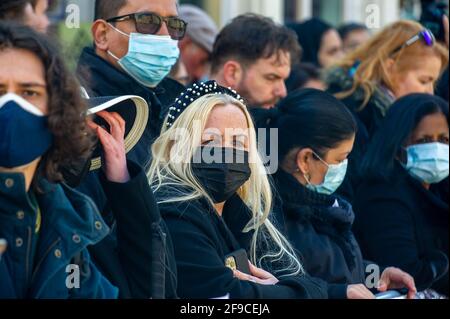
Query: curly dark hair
point(72, 139)
point(250, 37)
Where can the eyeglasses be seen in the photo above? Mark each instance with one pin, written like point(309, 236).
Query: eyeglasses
point(426, 35)
point(151, 23)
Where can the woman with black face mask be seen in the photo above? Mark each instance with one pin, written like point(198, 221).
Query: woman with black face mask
point(215, 198)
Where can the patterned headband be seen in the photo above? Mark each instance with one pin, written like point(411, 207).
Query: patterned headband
point(194, 93)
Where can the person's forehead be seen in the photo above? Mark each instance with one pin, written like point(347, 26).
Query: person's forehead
point(432, 123)
point(278, 61)
point(165, 8)
point(30, 68)
point(228, 116)
point(269, 68)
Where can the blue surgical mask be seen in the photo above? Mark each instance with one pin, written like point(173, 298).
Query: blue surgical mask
point(150, 58)
point(428, 163)
point(24, 135)
point(333, 179)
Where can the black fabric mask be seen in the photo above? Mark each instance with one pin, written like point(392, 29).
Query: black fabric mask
point(221, 171)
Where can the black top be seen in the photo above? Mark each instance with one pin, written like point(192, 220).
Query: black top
point(130, 256)
point(401, 223)
point(319, 227)
point(202, 239)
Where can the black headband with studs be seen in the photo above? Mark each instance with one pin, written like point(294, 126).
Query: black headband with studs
point(194, 93)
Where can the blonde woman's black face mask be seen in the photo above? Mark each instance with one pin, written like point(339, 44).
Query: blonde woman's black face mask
point(221, 171)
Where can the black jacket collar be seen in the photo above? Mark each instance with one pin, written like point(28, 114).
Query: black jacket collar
point(300, 202)
point(93, 66)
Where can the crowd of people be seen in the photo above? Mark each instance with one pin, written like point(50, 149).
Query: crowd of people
point(145, 169)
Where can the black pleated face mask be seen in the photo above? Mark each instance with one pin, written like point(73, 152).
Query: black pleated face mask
point(221, 171)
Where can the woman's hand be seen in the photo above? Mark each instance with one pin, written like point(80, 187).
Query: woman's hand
point(258, 276)
point(115, 166)
point(394, 278)
point(359, 292)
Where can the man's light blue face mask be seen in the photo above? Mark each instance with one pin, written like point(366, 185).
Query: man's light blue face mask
point(428, 163)
point(150, 58)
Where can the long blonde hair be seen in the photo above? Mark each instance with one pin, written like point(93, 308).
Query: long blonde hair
point(181, 140)
point(374, 54)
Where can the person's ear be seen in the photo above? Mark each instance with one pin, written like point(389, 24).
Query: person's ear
point(232, 73)
point(390, 66)
point(303, 161)
point(184, 43)
point(99, 33)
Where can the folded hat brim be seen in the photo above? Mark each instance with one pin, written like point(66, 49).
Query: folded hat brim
point(133, 109)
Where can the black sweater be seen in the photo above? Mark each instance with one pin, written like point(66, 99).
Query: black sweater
point(321, 232)
point(401, 223)
point(201, 241)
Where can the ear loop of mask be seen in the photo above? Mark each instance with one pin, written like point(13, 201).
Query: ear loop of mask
point(307, 177)
point(122, 33)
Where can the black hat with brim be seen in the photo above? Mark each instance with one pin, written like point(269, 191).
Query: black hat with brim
point(133, 109)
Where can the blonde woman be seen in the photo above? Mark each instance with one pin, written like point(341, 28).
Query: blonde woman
point(215, 198)
point(402, 59)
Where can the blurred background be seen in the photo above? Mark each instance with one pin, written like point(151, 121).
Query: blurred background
point(335, 12)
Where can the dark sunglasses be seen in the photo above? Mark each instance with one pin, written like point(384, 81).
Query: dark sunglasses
point(151, 23)
point(426, 35)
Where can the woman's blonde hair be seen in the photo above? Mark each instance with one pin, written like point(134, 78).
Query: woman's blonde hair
point(374, 54)
point(181, 140)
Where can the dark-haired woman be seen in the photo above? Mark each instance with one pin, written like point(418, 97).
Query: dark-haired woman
point(45, 227)
point(402, 210)
point(321, 43)
point(316, 135)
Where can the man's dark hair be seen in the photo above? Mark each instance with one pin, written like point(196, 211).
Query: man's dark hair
point(12, 9)
point(346, 29)
point(251, 37)
point(106, 9)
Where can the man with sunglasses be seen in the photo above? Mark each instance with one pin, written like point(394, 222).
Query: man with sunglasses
point(135, 47)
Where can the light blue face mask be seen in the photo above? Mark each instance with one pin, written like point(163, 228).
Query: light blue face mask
point(150, 58)
point(429, 163)
point(333, 179)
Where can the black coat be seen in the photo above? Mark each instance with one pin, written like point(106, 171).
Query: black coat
point(400, 223)
point(320, 232)
point(202, 239)
point(130, 256)
point(100, 78)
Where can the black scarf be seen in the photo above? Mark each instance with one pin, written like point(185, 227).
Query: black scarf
point(303, 205)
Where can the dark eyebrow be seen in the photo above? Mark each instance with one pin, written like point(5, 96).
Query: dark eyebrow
point(27, 85)
point(32, 84)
